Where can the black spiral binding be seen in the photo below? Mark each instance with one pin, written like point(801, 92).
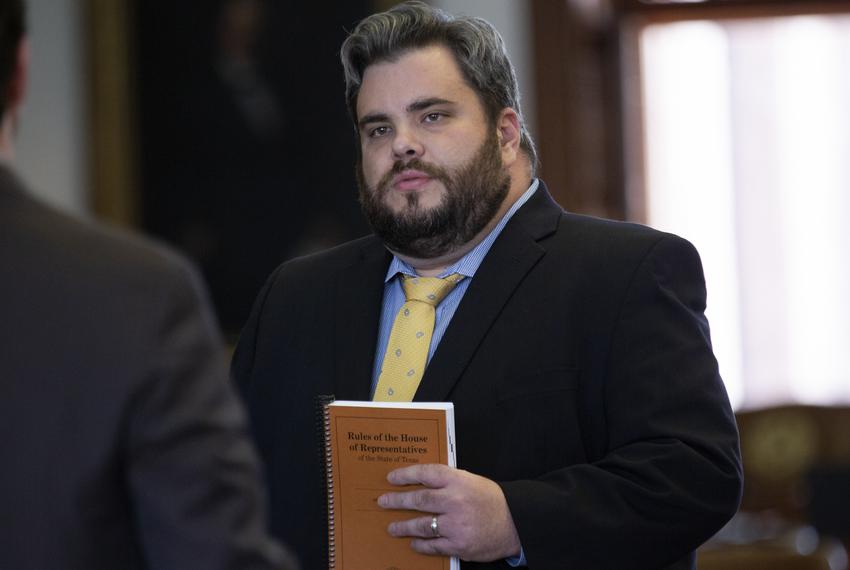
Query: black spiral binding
point(323, 430)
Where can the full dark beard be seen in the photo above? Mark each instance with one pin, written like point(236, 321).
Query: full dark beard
point(474, 193)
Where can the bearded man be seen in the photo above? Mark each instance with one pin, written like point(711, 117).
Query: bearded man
point(593, 428)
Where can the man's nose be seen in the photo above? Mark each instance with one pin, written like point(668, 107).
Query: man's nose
point(406, 145)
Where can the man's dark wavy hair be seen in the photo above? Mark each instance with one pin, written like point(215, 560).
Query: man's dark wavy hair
point(12, 29)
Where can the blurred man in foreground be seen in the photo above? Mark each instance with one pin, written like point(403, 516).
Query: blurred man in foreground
point(122, 443)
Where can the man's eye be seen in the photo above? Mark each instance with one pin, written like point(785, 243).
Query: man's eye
point(433, 117)
point(378, 132)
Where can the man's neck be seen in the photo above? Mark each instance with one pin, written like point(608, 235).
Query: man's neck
point(435, 266)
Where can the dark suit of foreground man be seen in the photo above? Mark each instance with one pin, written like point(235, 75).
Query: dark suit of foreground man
point(593, 429)
point(123, 446)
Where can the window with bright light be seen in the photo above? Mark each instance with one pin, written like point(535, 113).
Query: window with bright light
point(747, 154)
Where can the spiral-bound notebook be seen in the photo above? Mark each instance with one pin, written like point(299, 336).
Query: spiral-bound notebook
point(363, 441)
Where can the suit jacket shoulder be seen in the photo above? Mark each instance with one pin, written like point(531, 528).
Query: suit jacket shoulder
point(39, 239)
point(132, 448)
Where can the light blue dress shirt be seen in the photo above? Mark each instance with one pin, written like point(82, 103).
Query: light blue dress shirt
point(466, 266)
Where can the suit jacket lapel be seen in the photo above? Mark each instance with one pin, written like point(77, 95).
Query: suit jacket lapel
point(513, 255)
point(359, 291)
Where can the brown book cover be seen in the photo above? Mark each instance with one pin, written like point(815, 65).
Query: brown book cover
point(363, 442)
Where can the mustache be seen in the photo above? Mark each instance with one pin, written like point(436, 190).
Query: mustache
point(400, 166)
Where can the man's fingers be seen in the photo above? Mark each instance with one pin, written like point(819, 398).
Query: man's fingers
point(431, 475)
point(419, 500)
point(418, 527)
point(440, 546)
point(424, 540)
point(473, 518)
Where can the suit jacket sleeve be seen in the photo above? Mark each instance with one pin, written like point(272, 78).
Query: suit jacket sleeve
point(668, 474)
point(193, 475)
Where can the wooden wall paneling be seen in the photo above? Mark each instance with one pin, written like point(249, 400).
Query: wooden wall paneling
point(578, 108)
point(112, 145)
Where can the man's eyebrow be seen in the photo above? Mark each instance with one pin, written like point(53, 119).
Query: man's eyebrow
point(372, 118)
point(422, 104)
point(418, 105)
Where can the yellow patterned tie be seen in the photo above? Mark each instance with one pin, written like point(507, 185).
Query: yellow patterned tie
point(410, 338)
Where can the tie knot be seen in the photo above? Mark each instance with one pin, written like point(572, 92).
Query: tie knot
point(429, 290)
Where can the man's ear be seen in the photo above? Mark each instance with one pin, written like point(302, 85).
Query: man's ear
point(18, 80)
point(509, 134)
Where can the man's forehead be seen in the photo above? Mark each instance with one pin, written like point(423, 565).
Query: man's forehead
point(427, 73)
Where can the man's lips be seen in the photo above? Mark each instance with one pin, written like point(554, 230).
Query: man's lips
point(409, 180)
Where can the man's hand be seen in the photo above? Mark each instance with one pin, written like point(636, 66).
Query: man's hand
point(473, 519)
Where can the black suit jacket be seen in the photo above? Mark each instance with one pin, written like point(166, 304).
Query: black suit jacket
point(582, 374)
point(122, 444)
